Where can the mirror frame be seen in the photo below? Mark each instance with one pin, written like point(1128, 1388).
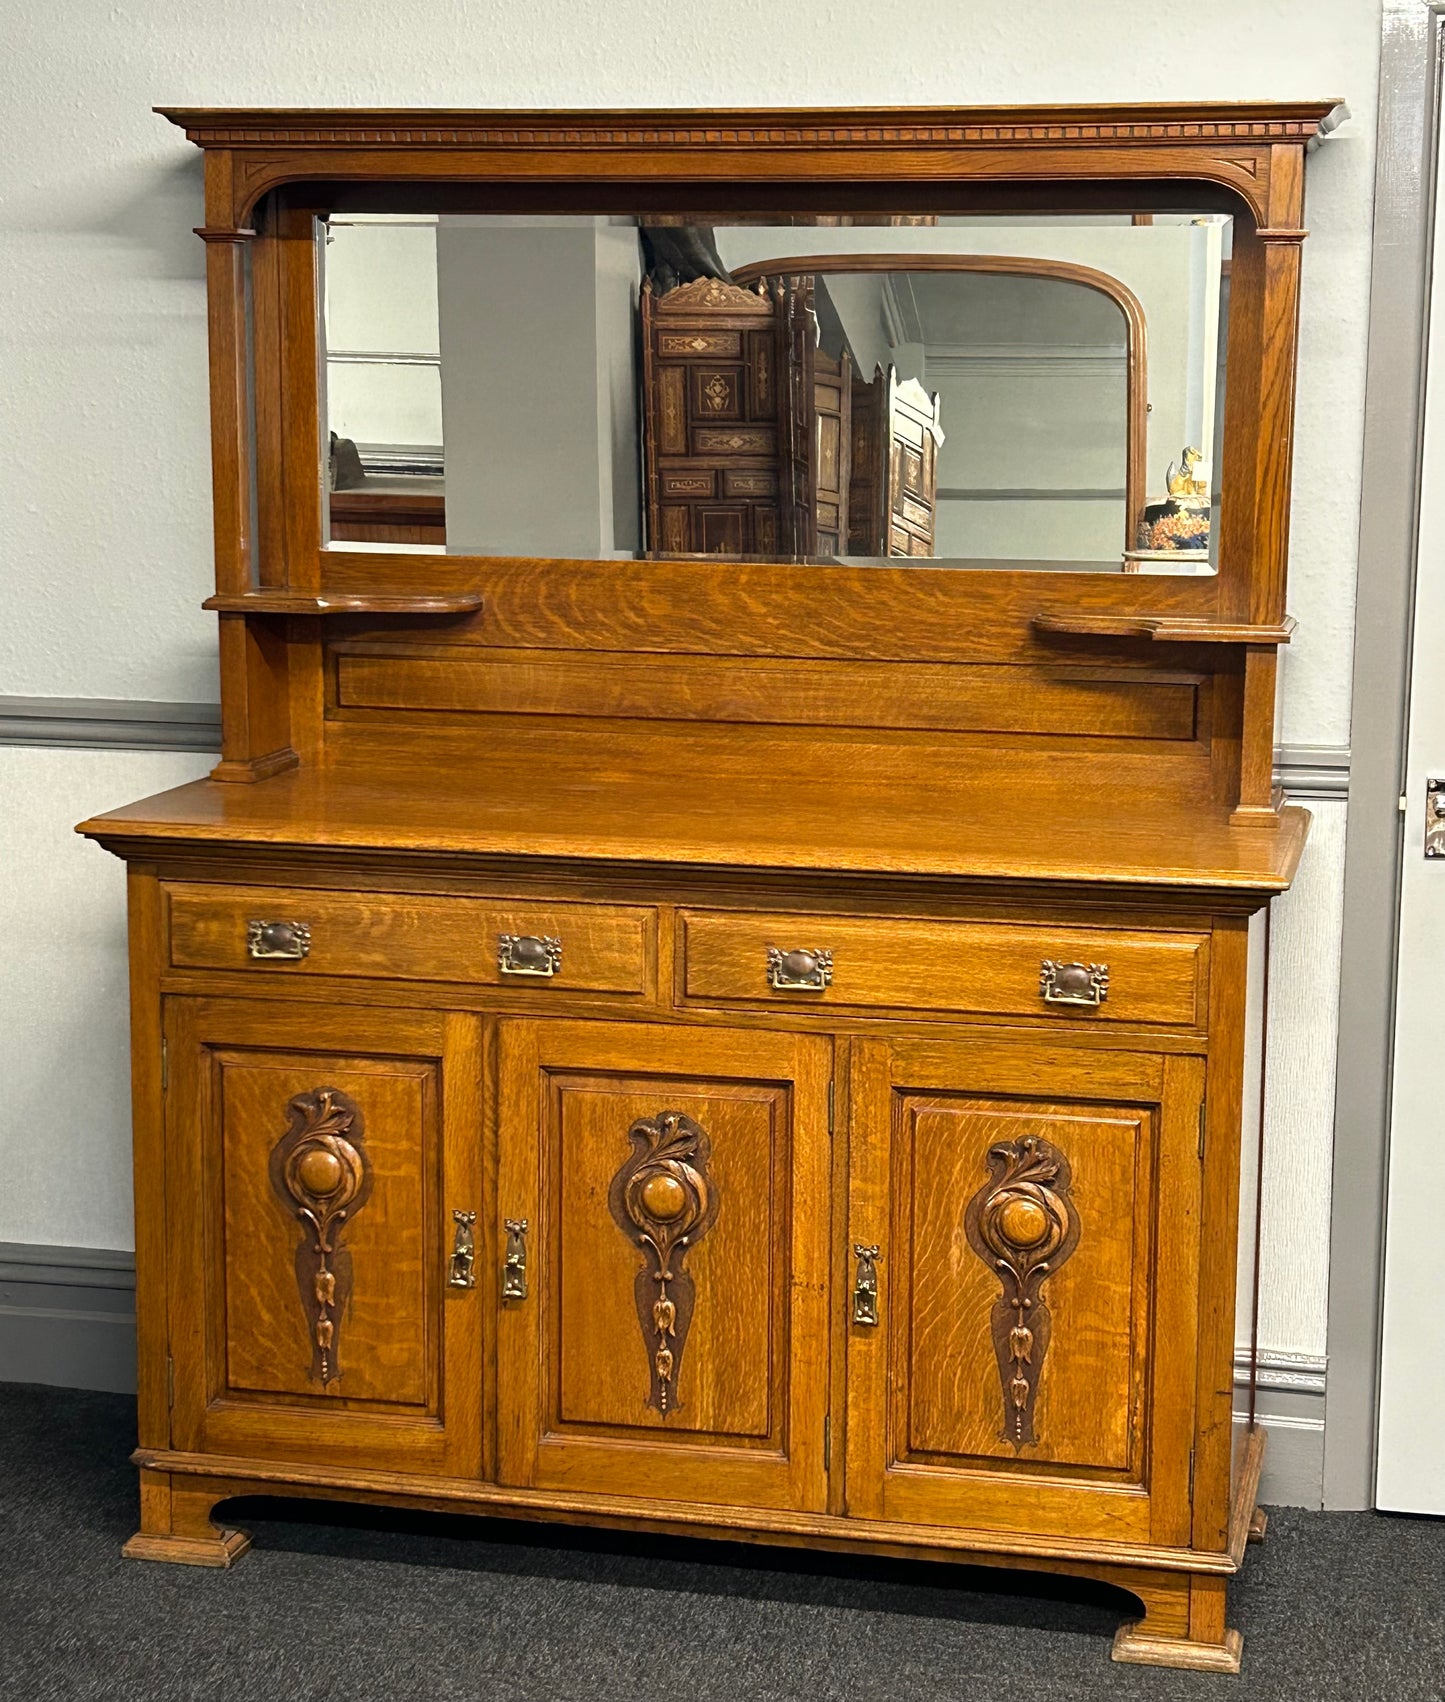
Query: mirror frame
point(1136, 339)
point(268, 174)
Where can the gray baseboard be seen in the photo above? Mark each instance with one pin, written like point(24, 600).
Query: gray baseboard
point(67, 1317)
point(1290, 1404)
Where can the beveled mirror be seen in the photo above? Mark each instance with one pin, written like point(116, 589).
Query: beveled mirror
point(1039, 392)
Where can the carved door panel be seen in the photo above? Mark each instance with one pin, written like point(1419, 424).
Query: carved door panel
point(867, 467)
point(801, 441)
point(1035, 1215)
point(668, 1189)
point(316, 1158)
point(714, 414)
point(833, 412)
point(915, 434)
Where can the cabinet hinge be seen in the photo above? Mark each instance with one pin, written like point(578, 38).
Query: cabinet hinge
point(165, 1066)
point(830, 1107)
point(170, 1382)
point(827, 1442)
point(1191, 1476)
point(1201, 1130)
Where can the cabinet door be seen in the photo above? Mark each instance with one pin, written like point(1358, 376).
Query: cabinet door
point(1035, 1211)
point(316, 1155)
point(673, 1337)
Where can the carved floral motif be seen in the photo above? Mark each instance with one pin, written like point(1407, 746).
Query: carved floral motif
point(322, 1176)
point(663, 1201)
point(712, 292)
point(1022, 1224)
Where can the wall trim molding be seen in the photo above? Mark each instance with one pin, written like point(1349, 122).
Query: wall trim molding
point(1279, 1370)
point(109, 723)
point(127, 724)
point(1313, 771)
point(76, 1267)
point(1027, 493)
point(942, 362)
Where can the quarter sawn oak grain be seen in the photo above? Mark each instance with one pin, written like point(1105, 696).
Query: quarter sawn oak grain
point(601, 1266)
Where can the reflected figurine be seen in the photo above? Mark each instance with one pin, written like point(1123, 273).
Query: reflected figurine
point(1181, 522)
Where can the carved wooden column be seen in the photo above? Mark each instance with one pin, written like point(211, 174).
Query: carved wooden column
point(255, 724)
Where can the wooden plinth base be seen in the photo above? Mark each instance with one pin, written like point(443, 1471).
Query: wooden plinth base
point(1178, 1651)
point(222, 1550)
point(1184, 1623)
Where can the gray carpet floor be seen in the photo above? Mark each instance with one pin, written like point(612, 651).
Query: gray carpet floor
point(353, 1605)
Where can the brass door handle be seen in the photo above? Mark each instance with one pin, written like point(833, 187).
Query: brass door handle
point(799, 971)
point(278, 939)
point(529, 954)
point(514, 1266)
point(460, 1269)
point(865, 1285)
point(1073, 983)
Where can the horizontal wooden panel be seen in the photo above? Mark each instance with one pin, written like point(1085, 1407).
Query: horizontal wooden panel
point(741, 440)
point(990, 968)
point(924, 612)
point(1118, 704)
point(689, 484)
point(605, 948)
point(749, 483)
point(700, 343)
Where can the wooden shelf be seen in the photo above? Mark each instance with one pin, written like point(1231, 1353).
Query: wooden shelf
point(343, 603)
point(1167, 629)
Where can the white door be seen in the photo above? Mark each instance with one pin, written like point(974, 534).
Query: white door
point(1410, 1471)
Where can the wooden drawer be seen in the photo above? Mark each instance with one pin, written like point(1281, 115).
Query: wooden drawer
point(986, 967)
point(605, 948)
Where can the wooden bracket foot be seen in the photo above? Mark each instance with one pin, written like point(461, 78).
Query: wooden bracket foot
point(1183, 1626)
point(176, 1526)
point(1183, 1652)
point(223, 1548)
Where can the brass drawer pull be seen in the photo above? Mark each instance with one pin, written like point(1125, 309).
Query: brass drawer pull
point(461, 1273)
point(1073, 983)
point(514, 1266)
point(529, 954)
point(865, 1286)
point(799, 971)
point(278, 939)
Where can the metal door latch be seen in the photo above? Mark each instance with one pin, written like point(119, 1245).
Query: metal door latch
point(460, 1271)
point(514, 1266)
point(865, 1286)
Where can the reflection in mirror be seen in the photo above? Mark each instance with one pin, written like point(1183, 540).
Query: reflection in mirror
point(1040, 392)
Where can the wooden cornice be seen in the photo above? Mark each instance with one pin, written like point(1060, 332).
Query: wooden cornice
point(1194, 123)
point(1240, 146)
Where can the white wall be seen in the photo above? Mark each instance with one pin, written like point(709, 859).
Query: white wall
point(539, 385)
point(106, 528)
point(64, 1025)
point(381, 300)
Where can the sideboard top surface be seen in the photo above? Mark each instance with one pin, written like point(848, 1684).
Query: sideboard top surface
point(636, 814)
